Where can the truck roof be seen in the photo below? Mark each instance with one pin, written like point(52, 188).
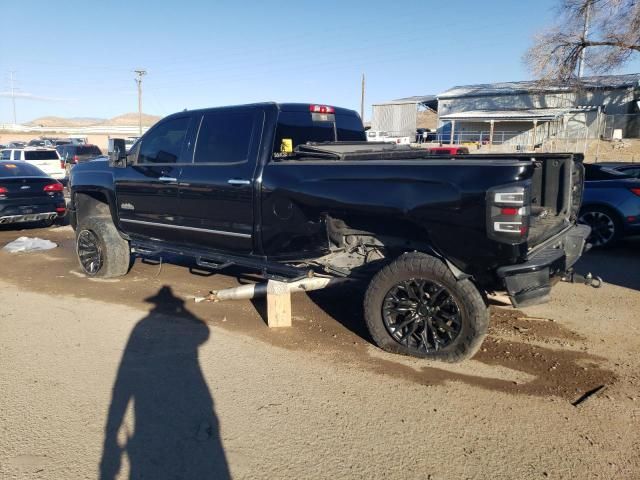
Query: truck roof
point(284, 107)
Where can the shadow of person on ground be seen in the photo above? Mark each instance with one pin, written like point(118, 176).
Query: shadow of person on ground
point(162, 414)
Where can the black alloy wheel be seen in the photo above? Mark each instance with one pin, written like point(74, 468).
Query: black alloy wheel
point(422, 315)
point(89, 252)
point(605, 229)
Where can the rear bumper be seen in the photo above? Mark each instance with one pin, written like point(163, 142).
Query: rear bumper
point(530, 282)
point(30, 217)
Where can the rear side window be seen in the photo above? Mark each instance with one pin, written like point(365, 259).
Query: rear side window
point(163, 143)
point(11, 169)
point(6, 154)
point(225, 137)
point(41, 155)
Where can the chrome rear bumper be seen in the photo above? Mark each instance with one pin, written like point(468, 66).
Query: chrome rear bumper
point(31, 217)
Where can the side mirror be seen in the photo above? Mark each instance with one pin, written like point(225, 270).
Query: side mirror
point(117, 153)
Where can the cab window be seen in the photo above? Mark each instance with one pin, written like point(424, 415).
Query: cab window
point(225, 137)
point(164, 143)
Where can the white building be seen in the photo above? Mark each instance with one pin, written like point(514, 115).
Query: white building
point(530, 113)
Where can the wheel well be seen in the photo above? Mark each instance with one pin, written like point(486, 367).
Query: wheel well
point(91, 204)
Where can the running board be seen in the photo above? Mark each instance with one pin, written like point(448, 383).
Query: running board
point(218, 261)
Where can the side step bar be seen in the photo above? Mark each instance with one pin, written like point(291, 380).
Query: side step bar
point(218, 261)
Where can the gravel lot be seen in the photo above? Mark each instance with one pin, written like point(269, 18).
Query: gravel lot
point(129, 378)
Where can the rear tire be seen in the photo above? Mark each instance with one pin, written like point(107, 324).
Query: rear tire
point(606, 226)
point(415, 306)
point(101, 251)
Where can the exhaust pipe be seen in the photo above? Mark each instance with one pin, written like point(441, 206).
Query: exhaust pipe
point(271, 287)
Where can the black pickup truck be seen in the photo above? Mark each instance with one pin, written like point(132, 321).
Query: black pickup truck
point(293, 190)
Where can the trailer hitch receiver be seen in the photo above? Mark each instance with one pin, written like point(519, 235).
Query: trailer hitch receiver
point(588, 279)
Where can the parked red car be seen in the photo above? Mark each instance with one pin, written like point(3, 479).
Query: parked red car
point(448, 150)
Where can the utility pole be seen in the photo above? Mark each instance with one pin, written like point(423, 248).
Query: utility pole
point(139, 75)
point(13, 95)
point(362, 101)
point(585, 33)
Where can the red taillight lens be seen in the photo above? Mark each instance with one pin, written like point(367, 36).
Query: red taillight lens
point(635, 191)
point(61, 163)
point(3, 191)
point(75, 159)
point(321, 109)
point(61, 210)
point(53, 187)
point(509, 211)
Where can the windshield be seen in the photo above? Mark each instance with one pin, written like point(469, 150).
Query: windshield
point(88, 150)
point(298, 128)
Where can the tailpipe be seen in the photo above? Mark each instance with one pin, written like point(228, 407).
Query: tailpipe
point(272, 287)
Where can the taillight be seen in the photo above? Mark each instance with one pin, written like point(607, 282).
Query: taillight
point(507, 214)
point(321, 109)
point(53, 187)
point(635, 191)
point(3, 191)
point(75, 159)
point(62, 163)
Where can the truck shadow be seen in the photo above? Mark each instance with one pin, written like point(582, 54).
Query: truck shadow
point(617, 265)
point(162, 414)
point(549, 355)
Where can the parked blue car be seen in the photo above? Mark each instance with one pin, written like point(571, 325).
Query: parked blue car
point(610, 205)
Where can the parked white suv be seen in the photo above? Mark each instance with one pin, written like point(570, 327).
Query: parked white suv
point(46, 159)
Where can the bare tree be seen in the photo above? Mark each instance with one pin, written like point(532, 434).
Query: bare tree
point(611, 39)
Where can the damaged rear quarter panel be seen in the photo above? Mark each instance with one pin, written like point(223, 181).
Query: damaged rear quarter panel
point(439, 202)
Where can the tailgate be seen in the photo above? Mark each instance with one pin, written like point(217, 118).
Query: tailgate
point(47, 166)
point(555, 196)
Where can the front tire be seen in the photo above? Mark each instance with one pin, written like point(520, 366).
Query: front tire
point(415, 306)
point(102, 252)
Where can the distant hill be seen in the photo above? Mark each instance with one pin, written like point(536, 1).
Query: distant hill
point(126, 119)
point(64, 122)
point(132, 119)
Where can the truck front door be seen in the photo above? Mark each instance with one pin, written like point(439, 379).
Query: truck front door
point(147, 192)
point(216, 190)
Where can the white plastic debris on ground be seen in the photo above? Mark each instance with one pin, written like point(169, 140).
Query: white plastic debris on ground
point(27, 244)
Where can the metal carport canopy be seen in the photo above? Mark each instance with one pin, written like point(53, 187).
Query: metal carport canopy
point(546, 114)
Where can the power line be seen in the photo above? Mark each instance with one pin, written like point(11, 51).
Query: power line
point(139, 75)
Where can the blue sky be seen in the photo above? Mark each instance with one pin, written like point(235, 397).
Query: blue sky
point(77, 57)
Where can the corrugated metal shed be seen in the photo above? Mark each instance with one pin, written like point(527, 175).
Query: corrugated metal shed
point(532, 86)
point(400, 117)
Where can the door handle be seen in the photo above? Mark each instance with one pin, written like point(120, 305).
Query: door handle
point(167, 179)
point(238, 181)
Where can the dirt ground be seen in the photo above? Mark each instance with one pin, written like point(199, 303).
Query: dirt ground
point(129, 378)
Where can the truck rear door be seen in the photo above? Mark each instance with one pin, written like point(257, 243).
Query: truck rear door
point(216, 189)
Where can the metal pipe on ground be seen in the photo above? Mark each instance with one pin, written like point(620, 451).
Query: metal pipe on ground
point(272, 287)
